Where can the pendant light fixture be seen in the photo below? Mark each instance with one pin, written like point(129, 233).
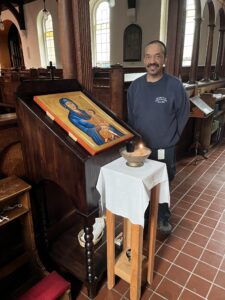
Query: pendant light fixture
point(45, 11)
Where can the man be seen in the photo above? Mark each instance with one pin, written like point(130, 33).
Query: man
point(158, 109)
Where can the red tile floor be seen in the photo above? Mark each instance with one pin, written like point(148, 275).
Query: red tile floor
point(190, 263)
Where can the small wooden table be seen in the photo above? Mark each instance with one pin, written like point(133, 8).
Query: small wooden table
point(134, 271)
point(126, 191)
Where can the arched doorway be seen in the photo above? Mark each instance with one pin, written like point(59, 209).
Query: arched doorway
point(11, 54)
point(15, 48)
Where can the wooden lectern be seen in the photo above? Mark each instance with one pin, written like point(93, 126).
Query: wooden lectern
point(63, 176)
point(201, 112)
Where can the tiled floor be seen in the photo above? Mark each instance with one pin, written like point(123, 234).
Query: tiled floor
point(190, 263)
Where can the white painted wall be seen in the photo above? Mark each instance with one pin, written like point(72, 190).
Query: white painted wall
point(147, 16)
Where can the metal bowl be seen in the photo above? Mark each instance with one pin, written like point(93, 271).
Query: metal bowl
point(137, 157)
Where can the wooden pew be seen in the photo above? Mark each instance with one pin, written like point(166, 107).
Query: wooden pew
point(11, 159)
point(12, 78)
point(108, 87)
point(129, 75)
point(8, 85)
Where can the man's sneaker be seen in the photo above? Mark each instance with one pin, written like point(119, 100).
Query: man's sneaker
point(164, 227)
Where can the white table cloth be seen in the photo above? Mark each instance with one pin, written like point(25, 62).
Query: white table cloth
point(125, 191)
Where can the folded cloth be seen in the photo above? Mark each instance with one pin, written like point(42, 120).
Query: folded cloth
point(98, 231)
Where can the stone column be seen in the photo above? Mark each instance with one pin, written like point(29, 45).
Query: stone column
point(223, 64)
point(175, 36)
point(67, 42)
point(195, 51)
point(219, 54)
point(82, 42)
point(207, 68)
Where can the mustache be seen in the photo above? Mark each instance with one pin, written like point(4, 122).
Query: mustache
point(152, 65)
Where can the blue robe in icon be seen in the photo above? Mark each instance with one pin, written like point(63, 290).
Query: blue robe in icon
point(81, 122)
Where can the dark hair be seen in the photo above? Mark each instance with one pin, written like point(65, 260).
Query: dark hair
point(158, 42)
point(63, 102)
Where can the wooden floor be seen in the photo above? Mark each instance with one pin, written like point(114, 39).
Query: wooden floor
point(190, 263)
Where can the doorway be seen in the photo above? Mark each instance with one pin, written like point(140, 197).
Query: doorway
point(15, 48)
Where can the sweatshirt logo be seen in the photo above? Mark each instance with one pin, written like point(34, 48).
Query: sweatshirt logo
point(160, 100)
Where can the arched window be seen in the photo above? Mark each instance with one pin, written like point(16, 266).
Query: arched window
point(132, 40)
point(101, 34)
point(49, 39)
point(189, 33)
point(46, 39)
